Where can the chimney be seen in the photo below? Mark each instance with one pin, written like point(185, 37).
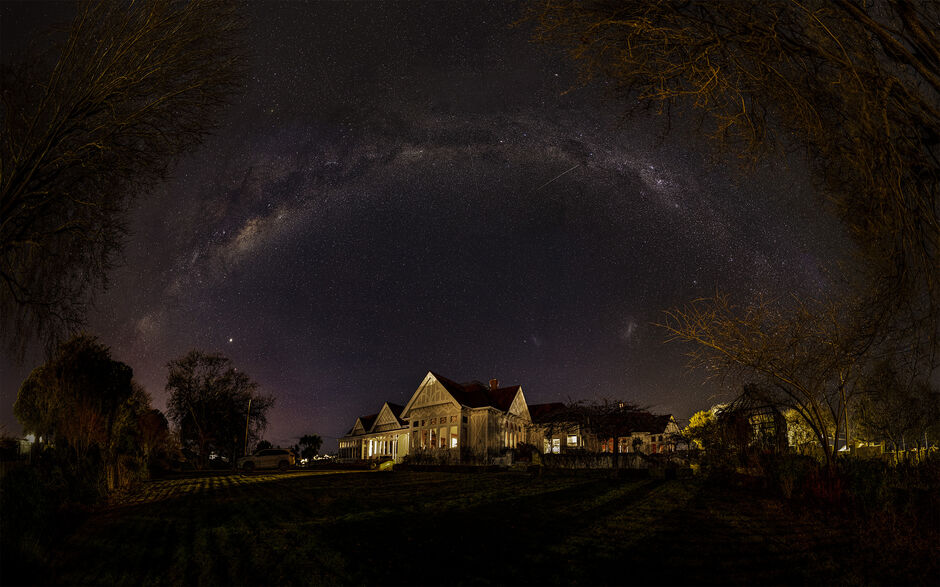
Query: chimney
point(494, 384)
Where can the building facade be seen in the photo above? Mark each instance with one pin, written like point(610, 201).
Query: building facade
point(380, 436)
point(444, 421)
point(555, 431)
point(649, 434)
point(449, 422)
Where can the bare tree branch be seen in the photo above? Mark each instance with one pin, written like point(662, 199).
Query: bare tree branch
point(89, 129)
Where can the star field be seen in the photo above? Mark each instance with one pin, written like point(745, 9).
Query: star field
point(407, 187)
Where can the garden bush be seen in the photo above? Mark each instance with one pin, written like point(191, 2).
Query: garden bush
point(39, 503)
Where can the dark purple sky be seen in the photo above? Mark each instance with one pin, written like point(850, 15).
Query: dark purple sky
point(379, 203)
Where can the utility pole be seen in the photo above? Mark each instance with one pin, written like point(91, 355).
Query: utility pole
point(247, 418)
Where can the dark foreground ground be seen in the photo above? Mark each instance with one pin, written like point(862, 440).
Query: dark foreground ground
point(459, 528)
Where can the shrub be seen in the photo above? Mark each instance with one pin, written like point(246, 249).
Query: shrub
point(868, 482)
point(788, 473)
point(37, 503)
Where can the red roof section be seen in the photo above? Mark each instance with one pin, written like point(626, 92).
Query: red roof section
point(477, 395)
point(647, 422)
point(368, 421)
point(396, 410)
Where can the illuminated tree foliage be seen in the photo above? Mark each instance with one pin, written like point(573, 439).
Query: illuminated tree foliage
point(701, 429)
point(852, 86)
point(209, 402)
point(88, 125)
point(801, 435)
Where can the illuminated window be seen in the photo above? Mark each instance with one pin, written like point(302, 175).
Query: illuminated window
point(572, 440)
point(453, 437)
point(556, 445)
point(433, 421)
point(453, 419)
point(443, 437)
point(424, 439)
point(546, 447)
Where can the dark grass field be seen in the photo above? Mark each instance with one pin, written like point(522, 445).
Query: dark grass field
point(457, 528)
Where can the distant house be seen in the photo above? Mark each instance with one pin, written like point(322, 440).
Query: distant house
point(645, 432)
point(593, 428)
point(443, 420)
point(555, 430)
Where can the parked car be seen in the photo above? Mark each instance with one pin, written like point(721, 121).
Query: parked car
point(269, 458)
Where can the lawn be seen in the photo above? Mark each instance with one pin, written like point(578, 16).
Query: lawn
point(453, 528)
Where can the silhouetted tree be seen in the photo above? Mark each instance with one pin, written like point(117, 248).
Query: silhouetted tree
point(608, 420)
point(209, 402)
point(83, 403)
point(310, 445)
point(88, 126)
point(154, 438)
point(853, 86)
point(263, 445)
point(897, 409)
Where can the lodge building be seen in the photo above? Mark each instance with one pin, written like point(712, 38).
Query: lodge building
point(453, 421)
point(459, 422)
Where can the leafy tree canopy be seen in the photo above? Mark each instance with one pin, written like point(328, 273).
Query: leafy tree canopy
point(897, 409)
point(701, 428)
point(88, 407)
point(310, 445)
point(209, 401)
point(74, 399)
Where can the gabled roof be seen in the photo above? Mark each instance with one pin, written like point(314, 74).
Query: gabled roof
point(647, 422)
point(389, 417)
point(365, 421)
point(368, 422)
point(396, 409)
point(477, 395)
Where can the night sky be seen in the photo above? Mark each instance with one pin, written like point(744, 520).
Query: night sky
point(413, 187)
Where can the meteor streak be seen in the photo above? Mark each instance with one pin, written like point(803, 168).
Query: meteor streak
point(556, 177)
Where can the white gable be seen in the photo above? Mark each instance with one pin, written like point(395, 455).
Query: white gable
point(672, 427)
point(386, 416)
point(358, 428)
point(386, 419)
point(519, 406)
point(429, 393)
